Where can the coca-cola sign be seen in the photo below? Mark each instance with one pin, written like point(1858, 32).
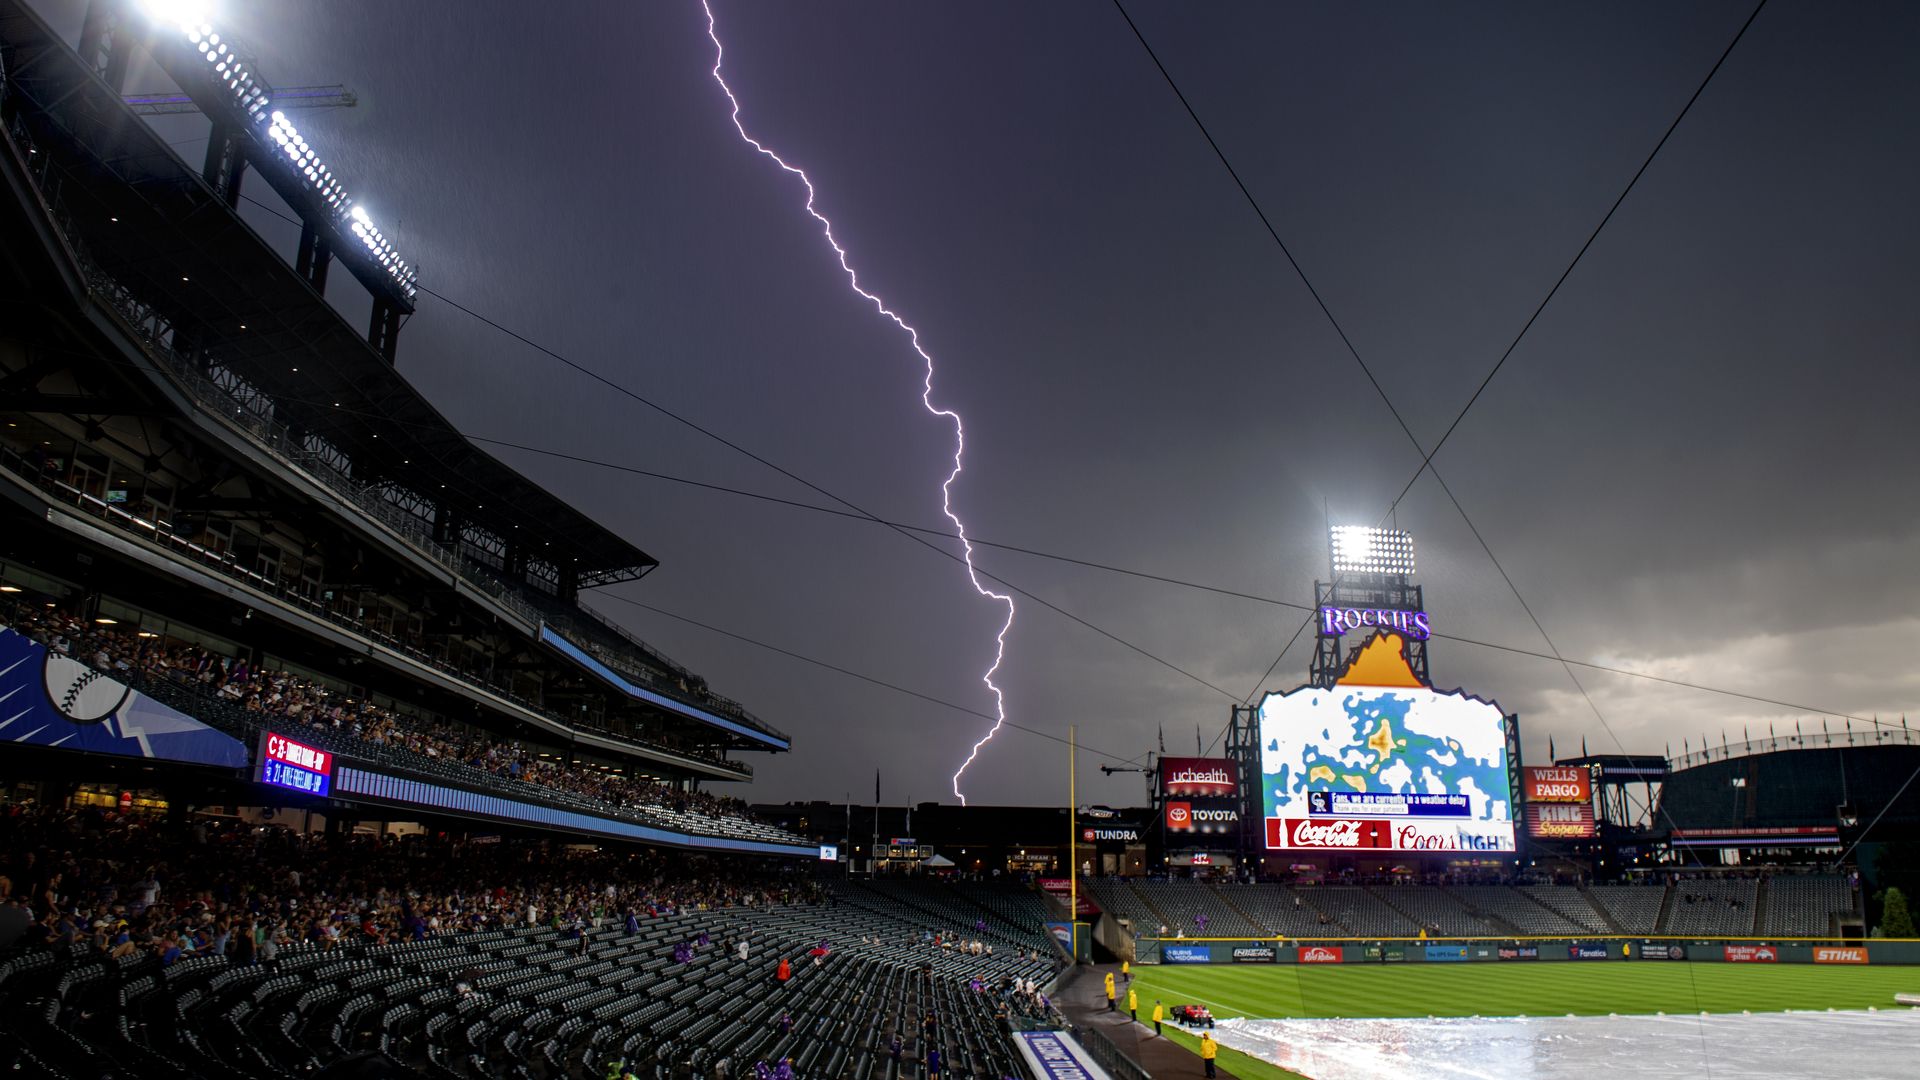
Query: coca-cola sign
point(1352, 834)
point(1322, 954)
point(1331, 833)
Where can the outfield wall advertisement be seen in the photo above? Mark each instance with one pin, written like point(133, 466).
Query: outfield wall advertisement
point(1381, 762)
point(1538, 951)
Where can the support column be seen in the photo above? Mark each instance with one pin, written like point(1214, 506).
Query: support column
point(225, 162)
point(105, 41)
point(383, 330)
point(312, 258)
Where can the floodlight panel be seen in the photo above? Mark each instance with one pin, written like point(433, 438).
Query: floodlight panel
point(1362, 549)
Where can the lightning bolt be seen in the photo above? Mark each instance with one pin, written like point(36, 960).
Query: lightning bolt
point(926, 399)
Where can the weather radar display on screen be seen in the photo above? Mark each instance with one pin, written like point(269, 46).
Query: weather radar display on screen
point(1380, 761)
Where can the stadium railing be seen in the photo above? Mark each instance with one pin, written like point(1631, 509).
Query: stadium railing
point(1109, 1056)
point(160, 535)
point(225, 395)
point(1880, 735)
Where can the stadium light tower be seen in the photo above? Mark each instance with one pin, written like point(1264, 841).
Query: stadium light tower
point(1371, 588)
point(217, 76)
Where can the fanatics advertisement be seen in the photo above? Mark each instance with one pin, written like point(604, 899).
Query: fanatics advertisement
point(1380, 761)
point(1556, 783)
point(1586, 952)
point(1212, 777)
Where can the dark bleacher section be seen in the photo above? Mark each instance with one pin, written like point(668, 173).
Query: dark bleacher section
point(526, 1003)
point(1712, 907)
point(1635, 908)
point(1798, 905)
point(1806, 905)
point(935, 906)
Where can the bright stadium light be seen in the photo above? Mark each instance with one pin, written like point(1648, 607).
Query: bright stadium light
point(225, 67)
point(1362, 549)
point(186, 14)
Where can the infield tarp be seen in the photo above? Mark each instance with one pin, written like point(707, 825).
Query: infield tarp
point(1847, 1045)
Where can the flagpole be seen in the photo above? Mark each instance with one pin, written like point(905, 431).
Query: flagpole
point(1073, 853)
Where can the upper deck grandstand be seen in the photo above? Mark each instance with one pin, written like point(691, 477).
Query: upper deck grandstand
point(201, 455)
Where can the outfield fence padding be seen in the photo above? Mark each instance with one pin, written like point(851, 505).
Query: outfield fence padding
point(1594, 947)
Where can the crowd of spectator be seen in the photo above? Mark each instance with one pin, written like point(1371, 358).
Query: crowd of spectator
point(123, 883)
point(134, 657)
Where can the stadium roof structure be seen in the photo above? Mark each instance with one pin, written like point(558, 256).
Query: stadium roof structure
point(264, 323)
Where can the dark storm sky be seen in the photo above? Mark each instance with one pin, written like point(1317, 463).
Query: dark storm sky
point(1700, 463)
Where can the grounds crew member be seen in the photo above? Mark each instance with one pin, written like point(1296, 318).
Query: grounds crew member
point(1133, 1005)
point(1208, 1051)
point(1110, 994)
point(1159, 1014)
point(1126, 971)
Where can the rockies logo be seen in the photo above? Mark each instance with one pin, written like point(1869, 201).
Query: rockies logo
point(81, 694)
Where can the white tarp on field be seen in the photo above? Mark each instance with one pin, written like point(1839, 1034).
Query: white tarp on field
point(1813, 1045)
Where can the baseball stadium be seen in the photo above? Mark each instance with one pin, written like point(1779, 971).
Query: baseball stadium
point(323, 757)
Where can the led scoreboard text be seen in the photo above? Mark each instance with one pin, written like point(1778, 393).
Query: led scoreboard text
point(295, 766)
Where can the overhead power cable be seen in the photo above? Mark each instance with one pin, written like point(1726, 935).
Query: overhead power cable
point(850, 673)
point(1238, 594)
point(709, 433)
point(1426, 459)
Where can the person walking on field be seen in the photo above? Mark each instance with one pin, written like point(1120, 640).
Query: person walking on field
point(1159, 1014)
point(1133, 1005)
point(1110, 993)
point(1208, 1051)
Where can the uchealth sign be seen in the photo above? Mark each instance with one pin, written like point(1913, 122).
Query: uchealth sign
point(1361, 834)
point(1321, 954)
point(1827, 955)
point(1750, 954)
point(1214, 777)
point(1556, 783)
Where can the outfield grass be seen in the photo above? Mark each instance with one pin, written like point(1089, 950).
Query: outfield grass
point(1510, 989)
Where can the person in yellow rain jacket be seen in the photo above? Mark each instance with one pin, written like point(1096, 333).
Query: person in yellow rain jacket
point(1159, 1014)
point(1126, 970)
point(1208, 1051)
point(1133, 1005)
point(1110, 993)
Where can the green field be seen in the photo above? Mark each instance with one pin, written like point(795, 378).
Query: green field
point(1513, 989)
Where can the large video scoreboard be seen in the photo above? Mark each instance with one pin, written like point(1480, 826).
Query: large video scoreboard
point(1381, 762)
